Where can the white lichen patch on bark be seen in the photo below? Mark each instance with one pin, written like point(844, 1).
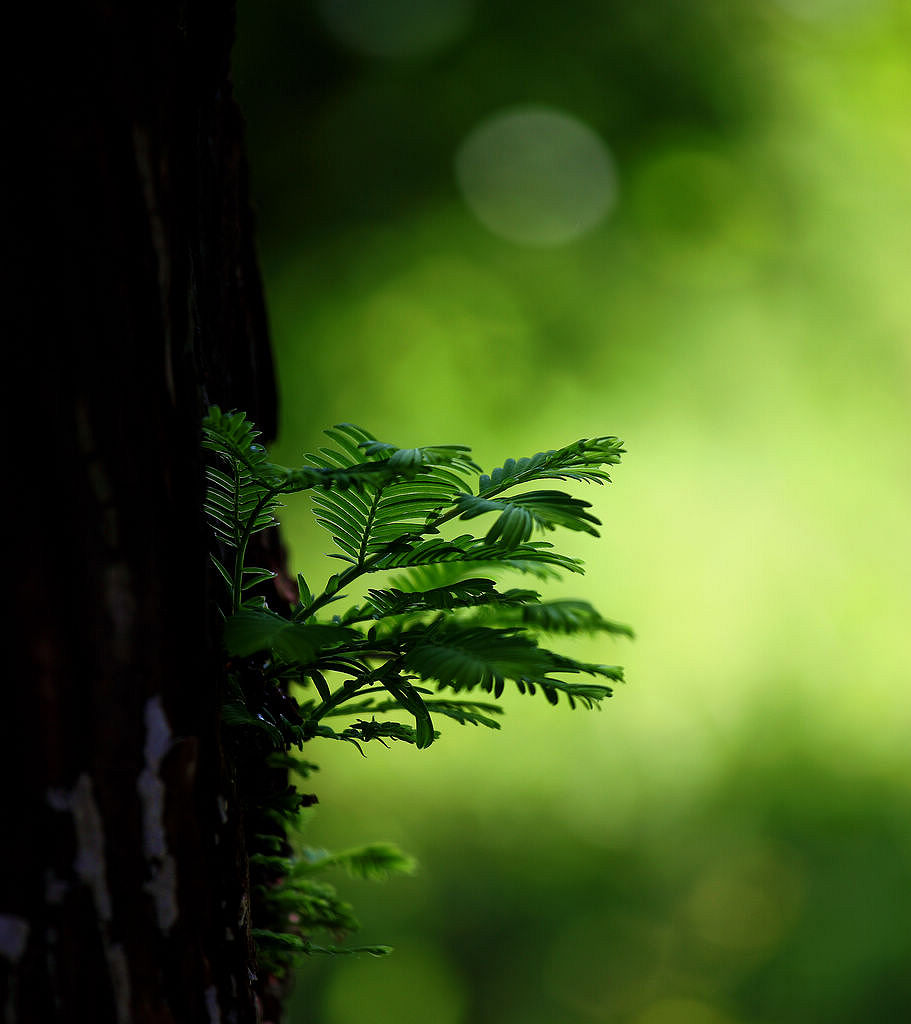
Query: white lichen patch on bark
point(212, 1007)
point(162, 885)
point(90, 867)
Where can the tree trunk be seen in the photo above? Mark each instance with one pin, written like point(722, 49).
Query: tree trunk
point(136, 301)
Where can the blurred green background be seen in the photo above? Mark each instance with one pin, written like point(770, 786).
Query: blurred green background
point(512, 226)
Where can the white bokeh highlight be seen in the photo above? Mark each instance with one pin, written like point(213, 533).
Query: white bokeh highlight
point(536, 176)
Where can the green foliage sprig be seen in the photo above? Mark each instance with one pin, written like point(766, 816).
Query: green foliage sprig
point(423, 644)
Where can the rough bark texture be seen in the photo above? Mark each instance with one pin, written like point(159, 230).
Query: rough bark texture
point(136, 301)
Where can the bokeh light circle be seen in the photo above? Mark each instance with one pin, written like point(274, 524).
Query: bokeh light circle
point(536, 176)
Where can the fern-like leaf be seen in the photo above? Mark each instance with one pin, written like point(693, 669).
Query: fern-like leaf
point(535, 557)
point(568, 616)
point(468, 593)
point(232, 435)
point(466, 712)
point(234, 438)
point(253, 629)
point(467, 657)
point(418, 578)
point(316, 902)
point(372, 862)
point(519, 514)
point(455, 456)
point(390, 512)
point(237, 505)
point(581, 460)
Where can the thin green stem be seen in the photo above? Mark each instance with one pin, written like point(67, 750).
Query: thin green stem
point(362, 552)
point(241, 553)
point(341, 581)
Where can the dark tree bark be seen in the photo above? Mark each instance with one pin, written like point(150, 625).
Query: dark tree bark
point(136, 301)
